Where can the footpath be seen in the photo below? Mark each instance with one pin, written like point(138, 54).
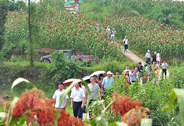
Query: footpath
point(131, 56)
point(128, 53)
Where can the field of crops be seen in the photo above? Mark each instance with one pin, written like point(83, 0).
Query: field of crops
point(60, 29)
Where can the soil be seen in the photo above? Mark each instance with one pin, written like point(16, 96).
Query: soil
point(1, 99)
point(47, 50)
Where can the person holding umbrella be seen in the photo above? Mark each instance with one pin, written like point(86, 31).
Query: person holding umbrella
point(57, 95)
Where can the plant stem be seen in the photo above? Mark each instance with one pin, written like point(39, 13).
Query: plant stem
point(107, 107)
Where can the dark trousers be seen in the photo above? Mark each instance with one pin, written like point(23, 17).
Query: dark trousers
point(148, 59)
point(164, 71)
point(77, 110)
point(126, 47)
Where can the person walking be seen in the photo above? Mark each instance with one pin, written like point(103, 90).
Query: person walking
point(77, 9)
point(117, 74)
point(113, 34)
point(157, 68)
point(149, 71)
point(127, 77)
point(125, 40)
point(101, 76)
point(95, 91)
point(96, 78)
point(107, 82)
point(158, 57)
point(127, 69)
point(164, 68)
point(108, 31)
point(133, 75)
point(77, 100)
point(148, 56)
point(140, 71)
point(154, 60)
point(57, 95)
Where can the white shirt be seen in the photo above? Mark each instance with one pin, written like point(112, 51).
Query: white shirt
point(129, 71)
point(148, 55)
point(83, 87)
point(158, 57)
point(77, 95)
point(164, 67)
point(113, 33)
point(108, 30)
point(56, 96)
point(96, 89)
point(76, 8)
point(126, 41)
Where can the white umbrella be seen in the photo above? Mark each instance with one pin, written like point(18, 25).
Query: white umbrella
point(68, 82)
point(86, 78)
point(98, 73)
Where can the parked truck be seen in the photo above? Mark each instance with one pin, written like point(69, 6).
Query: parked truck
point(70, 54)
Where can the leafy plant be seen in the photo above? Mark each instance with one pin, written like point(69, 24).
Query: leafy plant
point(62, 68)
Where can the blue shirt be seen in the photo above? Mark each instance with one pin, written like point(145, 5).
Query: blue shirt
point(133, 76)
point(56, 96)
point(95, 88)
point(108, 85)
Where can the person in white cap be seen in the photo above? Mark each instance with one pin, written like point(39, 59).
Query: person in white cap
point(125, 40)
point(107, 81)
point(148, 56)
point(154, 60)
point(108, 31)
point(77, 9)
point(158, 57)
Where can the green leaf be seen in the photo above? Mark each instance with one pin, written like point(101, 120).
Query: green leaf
point(2, 124)
point(2, 116)
point(19, 80)
point(96, 103)
point(10, 110)
point(118, 124)
point(179, 94)
point(104, 122)
point(96, 121)
point(146, 122)
point(57, 115)
point(22, 119)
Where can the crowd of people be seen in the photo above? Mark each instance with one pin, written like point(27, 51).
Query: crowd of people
point(99, 85)
point(156, 60)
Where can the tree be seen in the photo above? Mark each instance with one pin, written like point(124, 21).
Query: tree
point(3, 15)
point(30, 39)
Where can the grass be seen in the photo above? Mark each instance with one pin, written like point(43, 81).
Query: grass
point(68, 107)
point(25, 63)
point(108, 65)
point(94, 9)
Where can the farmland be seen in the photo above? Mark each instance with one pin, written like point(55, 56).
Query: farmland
point(55, 28)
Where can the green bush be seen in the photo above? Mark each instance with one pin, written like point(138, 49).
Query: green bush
point(62, 68)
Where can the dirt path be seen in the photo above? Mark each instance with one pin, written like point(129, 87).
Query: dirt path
point(128, 53)
point(69, 8)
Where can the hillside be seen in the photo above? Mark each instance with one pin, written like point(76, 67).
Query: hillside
point(166, 11)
